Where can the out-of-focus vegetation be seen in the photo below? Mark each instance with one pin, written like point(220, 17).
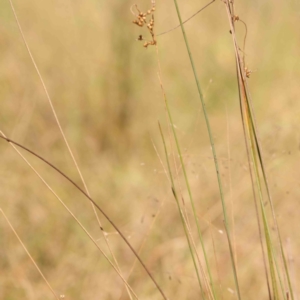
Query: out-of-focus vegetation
point(106, 92)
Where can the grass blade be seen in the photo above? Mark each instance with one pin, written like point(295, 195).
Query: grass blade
point(213, 150)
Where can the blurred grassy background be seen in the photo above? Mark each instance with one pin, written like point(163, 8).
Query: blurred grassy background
point(106, 91)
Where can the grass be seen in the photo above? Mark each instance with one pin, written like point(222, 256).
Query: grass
point(105, 90)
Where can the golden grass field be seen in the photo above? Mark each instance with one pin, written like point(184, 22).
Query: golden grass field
point(107, 95)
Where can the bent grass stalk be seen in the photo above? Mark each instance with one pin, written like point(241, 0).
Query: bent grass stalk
point(74, 217)
point(94, 203)
point(61, 130)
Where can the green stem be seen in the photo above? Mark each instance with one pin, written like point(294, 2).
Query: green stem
point(213, 149)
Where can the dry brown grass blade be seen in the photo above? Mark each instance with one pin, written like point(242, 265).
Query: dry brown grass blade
point(75, 218)
point(29, 255)
point(144, 241)
point(62, 132)
point(96, 205)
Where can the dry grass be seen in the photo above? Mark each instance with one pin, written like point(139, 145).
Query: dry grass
point(105, 89)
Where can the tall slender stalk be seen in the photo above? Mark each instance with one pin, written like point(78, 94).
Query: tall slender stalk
point(191, 197)
point(257, 161)
point(213, 150)
point(63, 134)
point(169, 115)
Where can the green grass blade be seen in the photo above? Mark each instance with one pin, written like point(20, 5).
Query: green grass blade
point(191, 198)
point(213, 149)
point(248, 122)
point(259, 153)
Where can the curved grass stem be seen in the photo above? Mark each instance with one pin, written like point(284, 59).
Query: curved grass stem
point(95, 204)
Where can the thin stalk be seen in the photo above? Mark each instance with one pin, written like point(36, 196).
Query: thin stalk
point(247, 142)
point(259, 153)
point(62, 132)
point(271, 253)
point(96, 205)
point(255, 151)
point(75, 219)
point(249, 132)
point(190, 196)
point(185, 177)
point(180, 212)
point(29, 255)
point(213, 150)
point(188, 19)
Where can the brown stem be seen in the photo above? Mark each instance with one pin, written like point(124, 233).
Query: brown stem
point(96, 205)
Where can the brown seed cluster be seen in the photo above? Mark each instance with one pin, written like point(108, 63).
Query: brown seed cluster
point(141, 20)
point(235, 18)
